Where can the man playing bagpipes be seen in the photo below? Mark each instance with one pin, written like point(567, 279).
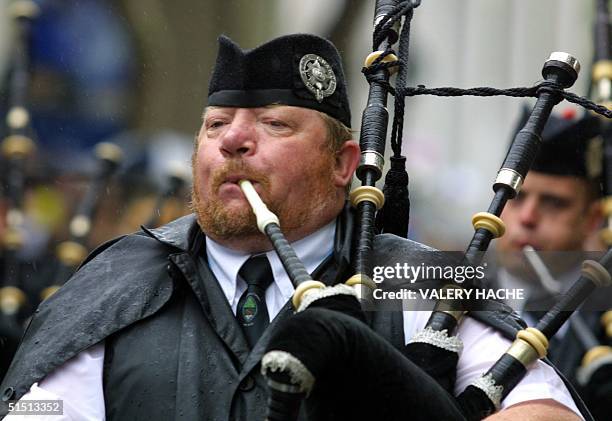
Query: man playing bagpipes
point(172, 323)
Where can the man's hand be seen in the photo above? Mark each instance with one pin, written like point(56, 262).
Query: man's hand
point(536, 410)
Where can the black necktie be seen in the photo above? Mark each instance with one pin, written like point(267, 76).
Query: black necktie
point(252, 312)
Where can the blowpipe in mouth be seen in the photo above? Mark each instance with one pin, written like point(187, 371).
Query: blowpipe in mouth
point(263, 215)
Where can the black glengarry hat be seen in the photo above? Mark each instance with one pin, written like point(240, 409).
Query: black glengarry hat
point(570, 145)
point(301, 70)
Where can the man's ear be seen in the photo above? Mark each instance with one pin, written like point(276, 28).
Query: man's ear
point(594, 216)
point(347, 160)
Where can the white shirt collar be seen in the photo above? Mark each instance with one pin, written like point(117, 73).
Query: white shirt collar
point(225, 264)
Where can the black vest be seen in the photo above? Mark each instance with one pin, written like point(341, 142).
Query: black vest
point(190, 360)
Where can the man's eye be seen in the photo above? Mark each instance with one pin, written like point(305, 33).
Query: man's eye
point(214, 124)
point(276, 123)
point(556, 203)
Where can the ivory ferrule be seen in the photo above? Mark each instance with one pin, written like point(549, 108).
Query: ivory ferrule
point(263, 215)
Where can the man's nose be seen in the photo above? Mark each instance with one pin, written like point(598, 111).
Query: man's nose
point(238, 139)
point(529, 213)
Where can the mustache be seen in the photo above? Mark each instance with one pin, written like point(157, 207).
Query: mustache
point(230, 168)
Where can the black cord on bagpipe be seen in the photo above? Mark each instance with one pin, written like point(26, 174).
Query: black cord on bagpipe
point(396, 181)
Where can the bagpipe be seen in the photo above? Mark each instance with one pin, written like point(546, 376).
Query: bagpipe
point(595, 371)
point(177, 179)
point(326, 355)
point(17, 147)
point(20, 145)
point(71, 252)
point(36, 258)
point(19, 293)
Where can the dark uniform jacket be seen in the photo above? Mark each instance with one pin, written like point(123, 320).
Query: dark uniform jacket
point(174, 349)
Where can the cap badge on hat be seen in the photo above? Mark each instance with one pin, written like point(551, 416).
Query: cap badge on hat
point(318, 76)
